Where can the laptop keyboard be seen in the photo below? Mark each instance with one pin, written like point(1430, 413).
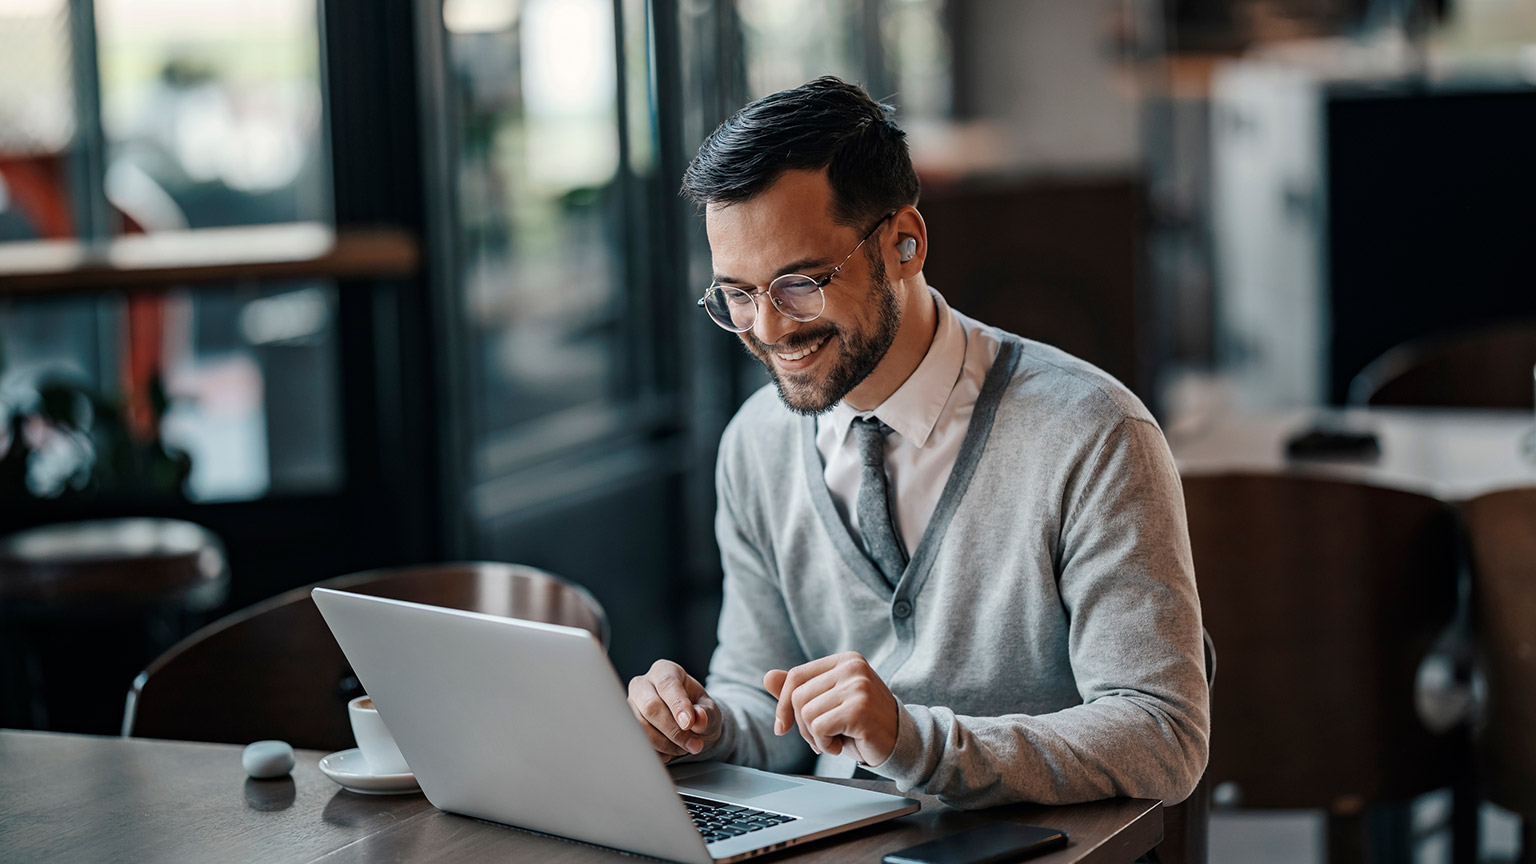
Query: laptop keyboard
point(717, 820)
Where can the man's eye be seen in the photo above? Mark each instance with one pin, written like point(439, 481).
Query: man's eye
point(738, 298)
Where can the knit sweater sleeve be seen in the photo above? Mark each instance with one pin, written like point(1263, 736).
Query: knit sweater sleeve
point(1126, 581)
point(755, 634)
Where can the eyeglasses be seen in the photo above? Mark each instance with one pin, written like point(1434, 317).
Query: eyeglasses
point(796, 296)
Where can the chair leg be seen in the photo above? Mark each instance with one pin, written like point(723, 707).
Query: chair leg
point(15, 686)
point(1346, 838)
point(22, 701)
point(1465, 806)
point(38, 704)
point(1186, 830)
point(1390, 835)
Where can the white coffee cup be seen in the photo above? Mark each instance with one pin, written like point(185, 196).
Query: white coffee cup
point(373, 738)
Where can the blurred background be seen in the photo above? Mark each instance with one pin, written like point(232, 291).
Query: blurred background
point(367, 283)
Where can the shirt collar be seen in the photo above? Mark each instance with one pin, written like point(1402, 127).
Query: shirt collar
point(914, 409)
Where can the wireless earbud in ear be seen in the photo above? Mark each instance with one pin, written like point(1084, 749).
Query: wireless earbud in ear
point(908, 249)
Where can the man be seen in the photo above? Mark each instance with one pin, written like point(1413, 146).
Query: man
point(953, 557)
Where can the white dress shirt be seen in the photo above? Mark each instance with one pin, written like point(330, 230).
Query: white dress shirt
point(929, 414)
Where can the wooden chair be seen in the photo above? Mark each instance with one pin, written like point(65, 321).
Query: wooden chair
point(1187, 824)
point(1323, 596)
point(112, 564)
point(136, 585)
point(274, 670)
point(1501, 528)
point(1484, 368)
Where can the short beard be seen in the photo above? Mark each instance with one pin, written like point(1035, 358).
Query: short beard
point(861, 352)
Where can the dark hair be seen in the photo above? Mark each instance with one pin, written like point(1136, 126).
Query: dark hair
point(824, 124)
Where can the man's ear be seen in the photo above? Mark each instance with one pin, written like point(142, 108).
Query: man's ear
point(911, 241)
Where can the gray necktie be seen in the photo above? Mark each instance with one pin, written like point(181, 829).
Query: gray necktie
point(881, 539)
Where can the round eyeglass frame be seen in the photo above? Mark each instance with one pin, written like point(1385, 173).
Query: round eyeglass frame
point(719, 311)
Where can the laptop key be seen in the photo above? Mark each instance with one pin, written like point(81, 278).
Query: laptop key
point(716, 820)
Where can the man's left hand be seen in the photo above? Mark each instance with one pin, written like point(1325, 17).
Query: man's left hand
point(837, 702)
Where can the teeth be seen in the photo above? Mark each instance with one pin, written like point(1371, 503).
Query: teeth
point(804, 352)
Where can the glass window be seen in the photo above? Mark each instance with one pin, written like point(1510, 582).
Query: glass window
point(212, 112)
point(538, 205)
point(640, 88)
point(37, 120)
point(211, 115)
point(223, 394)
point(917, 47)
point(907, 62)
point(789, 42)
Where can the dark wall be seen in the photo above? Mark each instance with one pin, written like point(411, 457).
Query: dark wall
point(1430, 220)
point(1052, 260)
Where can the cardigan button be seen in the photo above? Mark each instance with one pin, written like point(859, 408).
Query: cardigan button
point(902, 610)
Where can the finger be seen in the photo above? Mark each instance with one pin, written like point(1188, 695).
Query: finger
point(671, 687)
point(649, 710)
point(663, 746)
point(784, 713)
point(773, 682)
point(834, 713)
point(702, 704)
point(706, 716)
point(835, 725)
point(809, 692)
point(644, 696)
point(784, 716)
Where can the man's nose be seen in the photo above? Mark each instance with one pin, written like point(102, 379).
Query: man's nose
point(771, 325)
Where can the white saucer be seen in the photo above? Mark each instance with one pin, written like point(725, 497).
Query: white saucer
point(350, 769)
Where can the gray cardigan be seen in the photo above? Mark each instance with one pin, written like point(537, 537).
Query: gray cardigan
point(1045, 639)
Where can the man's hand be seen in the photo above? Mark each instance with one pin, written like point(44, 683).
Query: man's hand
point(673, 709)
point(838, 702)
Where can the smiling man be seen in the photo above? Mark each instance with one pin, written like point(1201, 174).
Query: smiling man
point(953, 557)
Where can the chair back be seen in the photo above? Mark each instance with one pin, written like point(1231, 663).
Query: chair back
point(1186, 825)
point(1501, 529)
point(134, 585)
point(274, 670)
point(113, 565)
point(1323, 596)
point(1484, 368)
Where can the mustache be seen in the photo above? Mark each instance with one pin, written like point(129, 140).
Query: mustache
point(796, 341)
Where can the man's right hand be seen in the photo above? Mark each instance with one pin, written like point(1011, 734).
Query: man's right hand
point(673, 709)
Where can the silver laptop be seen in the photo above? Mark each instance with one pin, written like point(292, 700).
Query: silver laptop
point(526, 724)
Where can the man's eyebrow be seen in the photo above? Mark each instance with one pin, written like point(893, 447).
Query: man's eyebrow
point(804, 265)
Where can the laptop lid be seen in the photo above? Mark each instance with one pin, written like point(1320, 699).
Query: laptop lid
point(526, 723)
point(513, 721)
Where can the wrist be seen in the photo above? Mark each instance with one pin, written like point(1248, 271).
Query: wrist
point(905, 746)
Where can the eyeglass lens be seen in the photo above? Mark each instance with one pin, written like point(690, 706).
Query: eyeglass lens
point(797, 298)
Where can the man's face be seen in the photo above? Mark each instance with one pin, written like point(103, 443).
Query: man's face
point(788, 228)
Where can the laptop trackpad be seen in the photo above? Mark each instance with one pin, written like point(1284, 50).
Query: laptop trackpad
point(735, 784)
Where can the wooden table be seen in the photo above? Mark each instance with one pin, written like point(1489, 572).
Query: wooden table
point(1451, 454)
point(81, 799)
point(138, 262)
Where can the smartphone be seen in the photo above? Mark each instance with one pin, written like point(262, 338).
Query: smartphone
point(989, 844)
point(1323, 443)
